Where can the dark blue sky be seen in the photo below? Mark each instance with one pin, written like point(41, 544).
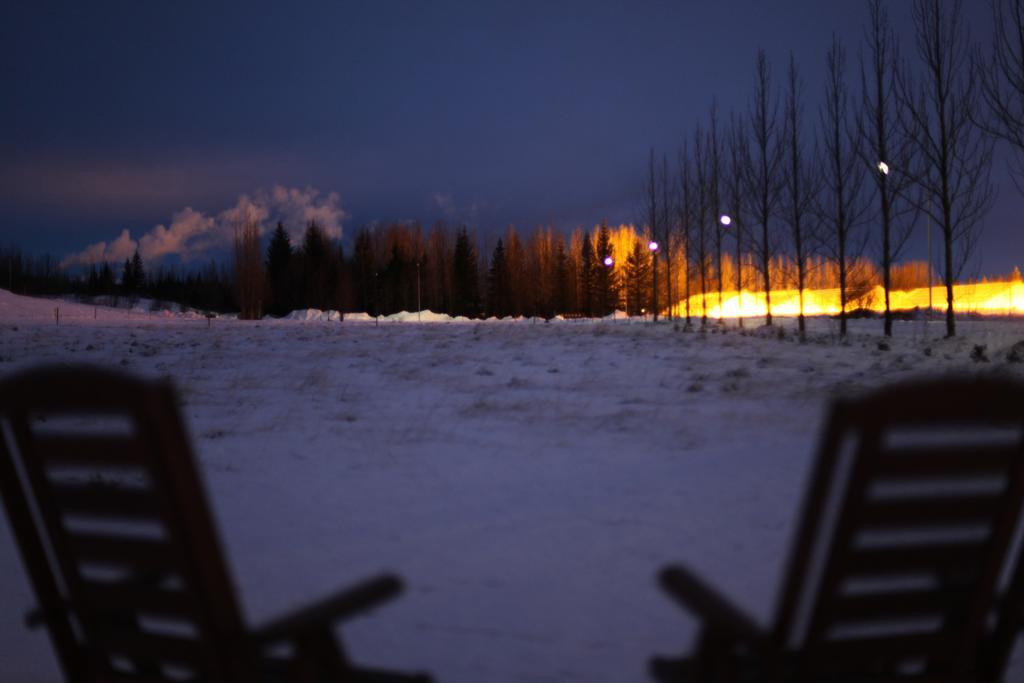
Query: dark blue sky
point(117, 115)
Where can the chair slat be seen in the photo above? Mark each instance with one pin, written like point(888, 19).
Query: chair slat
point(137, 553)
point(109, 451)
point(117, 677)
point(105, 501)
point(945, 462)
point(159, 648)
point(855, 651)
point(113, 597)
point(913, 558)
point(894, 605)
point(925, 512)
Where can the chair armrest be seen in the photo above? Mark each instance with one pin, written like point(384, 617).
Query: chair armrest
point(717, 613)
point(341, 605)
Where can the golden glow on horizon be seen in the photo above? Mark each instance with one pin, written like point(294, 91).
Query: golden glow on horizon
point(993, 298)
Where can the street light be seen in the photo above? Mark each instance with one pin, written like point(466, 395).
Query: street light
point(653, 246)
point(726, 221)
point(608, 262)
point(883, 168)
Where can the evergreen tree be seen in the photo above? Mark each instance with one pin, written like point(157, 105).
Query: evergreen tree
point(94, 279)
point(588, 265)
point(365, 269)
point(105, 282)
point(465, 277)
point(638, 279)
point(395, 282)
point(132, 275)
point(127, 277)
point(279, 256)
point(138, 273)
point(518, 283)
point(604, 280)
point(560, 302)
point(498, 299)
point(341, 282)
point(315, 264)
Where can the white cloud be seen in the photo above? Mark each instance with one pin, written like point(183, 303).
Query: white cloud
point(296, 208)
point(453, 212)
point(191, 233)
point(102, 252)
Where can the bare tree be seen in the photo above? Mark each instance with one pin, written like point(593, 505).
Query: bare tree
point(956, 155)
point(736, 203)
point(653, 215)
point(841, 206)
point(715, 201)
point(665, 240)
point(248, 268)
point(685, 223)
point(886, 151)
point(801, 186)
point(763, 168)
point(1002, 83)
point(701, 210)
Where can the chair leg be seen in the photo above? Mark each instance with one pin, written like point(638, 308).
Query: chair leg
point(716, 661)
point(676, 670)
point(373, 676)
point(320, 658)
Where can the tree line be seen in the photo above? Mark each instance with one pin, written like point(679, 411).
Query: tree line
point(539, 273)
point(446, 269)
point(209, 288)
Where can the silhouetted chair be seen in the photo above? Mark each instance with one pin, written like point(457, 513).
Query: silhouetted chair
point(905, 567)
point(102, 493)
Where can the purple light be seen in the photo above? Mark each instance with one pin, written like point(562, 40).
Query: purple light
point(726, 221)
point(652, 245)
point(609, 261)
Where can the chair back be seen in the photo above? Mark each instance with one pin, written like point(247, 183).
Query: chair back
point(101, 489)
point(907, 561)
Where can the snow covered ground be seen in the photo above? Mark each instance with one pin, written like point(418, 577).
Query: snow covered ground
point(527, 479)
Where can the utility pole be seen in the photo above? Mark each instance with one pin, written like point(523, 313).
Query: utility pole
point(929, 258)
point(653, 246)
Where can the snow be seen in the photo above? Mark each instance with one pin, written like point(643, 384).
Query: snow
point(526, 479)
point(314, 314)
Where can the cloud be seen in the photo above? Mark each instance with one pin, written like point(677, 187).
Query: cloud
point(102, 252)
point(191, 234)
point(445, 203)
point(299, 207)
point(452, 211)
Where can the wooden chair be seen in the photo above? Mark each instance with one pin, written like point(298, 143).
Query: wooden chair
point(905, 566)
point(102, 493)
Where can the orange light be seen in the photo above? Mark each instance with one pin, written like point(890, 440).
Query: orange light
point(993, 298)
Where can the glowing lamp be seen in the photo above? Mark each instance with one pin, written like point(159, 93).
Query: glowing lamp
point(725, 220)
point(608, 261)
point(883, 167)
point(652, 245)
